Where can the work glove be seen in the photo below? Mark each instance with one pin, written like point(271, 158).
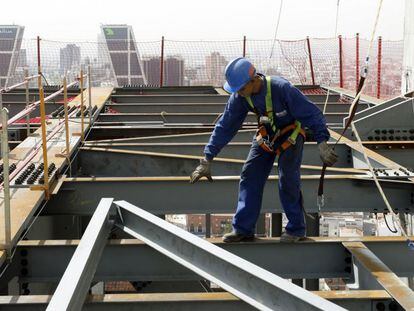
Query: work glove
point(202, 170)
point(327, 154)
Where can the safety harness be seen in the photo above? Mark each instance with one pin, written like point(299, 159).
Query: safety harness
point(267, 126)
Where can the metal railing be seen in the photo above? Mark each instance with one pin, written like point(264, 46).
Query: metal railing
point(20, 165)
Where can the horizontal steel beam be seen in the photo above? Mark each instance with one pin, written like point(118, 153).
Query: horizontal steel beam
point(352, 300)
point(208, 107)
point(400, 152)
point(263, 289)
point(232, 150)
point(187, 98)
point(202, 118)
point(102, 162)
point(81, 195)
point(122, 260)
point(241, 136)
point(190, 117)
point(191, 98)
point(111, 132)
point(165, 90)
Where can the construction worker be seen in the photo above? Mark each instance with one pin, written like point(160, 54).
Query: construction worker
point(282, 112)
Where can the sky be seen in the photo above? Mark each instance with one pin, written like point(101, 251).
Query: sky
point(80, 20)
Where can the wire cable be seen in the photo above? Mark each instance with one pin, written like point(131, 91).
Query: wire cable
point(276, 29)
point(275, 37)
point(381, 191)
point(386, 223)
point(330, 75)
point(352, 109)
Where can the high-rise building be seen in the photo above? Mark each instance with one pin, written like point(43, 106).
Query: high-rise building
point(152, 69)
point(215, 65)
point(173, 71)
point(123, 54)
point(10, 42)
point(70, 58)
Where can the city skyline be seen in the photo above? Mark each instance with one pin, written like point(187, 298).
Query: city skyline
point(202, 63)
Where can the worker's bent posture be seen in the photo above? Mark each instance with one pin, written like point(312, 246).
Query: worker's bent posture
point(282, 112)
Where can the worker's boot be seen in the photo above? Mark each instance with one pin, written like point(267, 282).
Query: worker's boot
point(288, 238)
point(237, 237)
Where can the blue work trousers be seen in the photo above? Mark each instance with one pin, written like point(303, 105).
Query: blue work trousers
point(255, 172)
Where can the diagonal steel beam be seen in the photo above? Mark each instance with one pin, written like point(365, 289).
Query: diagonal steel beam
point(387, 278)
point(243, 279)
point(74, 285)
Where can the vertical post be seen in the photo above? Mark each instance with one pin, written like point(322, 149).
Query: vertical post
point(244, 46)
point(357, 61)
point(6, 188)
point(90, 95)
point(162, 62)
point(129, 56)
point(310, 61)
point(43, 122)
point(261, 225)
point(39, 68)
point(208, 225)
point(65, 107)
point(44, 141)
point(276, 224)
point(1, 109)
point(312, 229)
point(81, 106)
point(341, 74)
point(26, 75)
point(379, 67)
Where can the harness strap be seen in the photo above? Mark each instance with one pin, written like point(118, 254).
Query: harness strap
point(269, 112)
point(269, 104)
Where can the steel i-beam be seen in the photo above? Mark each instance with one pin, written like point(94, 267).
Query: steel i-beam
point(254, 285)
point(74, 285)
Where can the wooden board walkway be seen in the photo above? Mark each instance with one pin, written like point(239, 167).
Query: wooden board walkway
point(24, 202)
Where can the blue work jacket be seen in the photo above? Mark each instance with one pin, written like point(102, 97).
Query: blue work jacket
point(289, 104)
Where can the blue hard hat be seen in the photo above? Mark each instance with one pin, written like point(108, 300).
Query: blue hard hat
point(238, 73)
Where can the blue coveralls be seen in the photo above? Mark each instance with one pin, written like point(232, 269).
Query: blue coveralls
point(289, 104)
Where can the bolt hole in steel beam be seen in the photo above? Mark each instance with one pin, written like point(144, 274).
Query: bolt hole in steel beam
point(256, 286)
point(75, 283)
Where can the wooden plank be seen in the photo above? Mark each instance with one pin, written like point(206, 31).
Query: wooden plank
point(173, 297)
point(24, 201)
point(217, 240)
point(391, 282)
point(161, 136)
point(185, 178)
